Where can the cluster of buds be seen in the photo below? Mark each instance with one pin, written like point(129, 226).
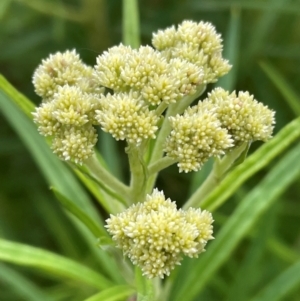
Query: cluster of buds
point(215, 125)
point(155, 235)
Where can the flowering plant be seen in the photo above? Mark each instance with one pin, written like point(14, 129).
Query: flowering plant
point(151, 97)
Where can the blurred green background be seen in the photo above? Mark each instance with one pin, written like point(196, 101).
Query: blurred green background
point(261, 40)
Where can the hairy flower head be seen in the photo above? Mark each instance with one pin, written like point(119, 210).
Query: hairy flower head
point(69, 118)
point(196, 136)
point(127, 117)
point(75, 143)
point(155, 235)
point(197, 43)
point(61, 69)
point(147, 72)
point(245, 118)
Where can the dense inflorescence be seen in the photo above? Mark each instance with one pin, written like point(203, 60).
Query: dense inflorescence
point(121, 93)
point(155, 234)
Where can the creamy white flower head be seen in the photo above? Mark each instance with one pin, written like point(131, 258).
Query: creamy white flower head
point(48, 125)
point(71, 106)
point(198, 43)
point(196, 136)
point(245, 118)
point(147, 72)
point(127, 117)
point(75, 143)
point(110, 65)
point(61, 69)
point(155, 235)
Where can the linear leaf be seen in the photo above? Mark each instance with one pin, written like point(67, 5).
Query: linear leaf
point(80, 214)
point(283, 86)
point(54, 264)
point(131, 24)
point(282, 285)
point(21, 286)
point(116, 293)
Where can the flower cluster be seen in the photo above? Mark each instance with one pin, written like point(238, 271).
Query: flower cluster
point(197, 43)
point(67, 112)
point(155, 235)
point(148, 73)
point(125, 116)
point(215, 125)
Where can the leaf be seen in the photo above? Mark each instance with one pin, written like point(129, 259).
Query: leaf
point(291, 97)
point(51, 263)
point(81, 215)
point(116, 293)
point(238, 225)
point(282, 285)
point(131, 25)
point(21, 286)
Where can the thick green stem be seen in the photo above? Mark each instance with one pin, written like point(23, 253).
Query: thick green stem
point(106, 178)
point(138, 173)
point(173, 109)
point(218, 172)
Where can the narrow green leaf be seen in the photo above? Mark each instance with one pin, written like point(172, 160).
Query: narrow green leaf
point(19, 99)
point(131, 25)
point(282, 285)
point(258, 160)
point(291, 96)
point(81, 215)
point(54, 264)
point(3, 7)
point(115, 293)
point(231, 49)
point(237, 226)
point(21, 286)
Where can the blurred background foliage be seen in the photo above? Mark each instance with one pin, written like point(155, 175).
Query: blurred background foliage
point(261, 40)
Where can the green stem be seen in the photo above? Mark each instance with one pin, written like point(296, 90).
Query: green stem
point(131, 24)
point(219, 170)
point(160, 165)
point(138, 173)
point(160, 109)
point(106, 178)
point(173, 109)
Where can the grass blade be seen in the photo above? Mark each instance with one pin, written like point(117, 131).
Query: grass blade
point(52, 263)
point(291, 97)
point(21, 286)
point(281, 286)
point(131, 25)
point(116, 293)
point(81, 215)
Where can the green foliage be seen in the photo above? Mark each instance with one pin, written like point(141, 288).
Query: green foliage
point(255, 255)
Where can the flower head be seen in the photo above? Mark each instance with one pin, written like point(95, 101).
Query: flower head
point(75, 143)
point(61, 69)
point(245, 118)
point(197, 43)
point(125, 116)
point(155, 235)
point(147, 72)
point(196, 136)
